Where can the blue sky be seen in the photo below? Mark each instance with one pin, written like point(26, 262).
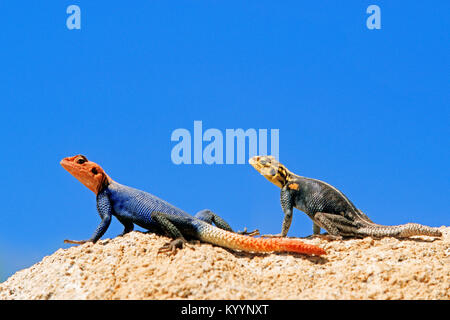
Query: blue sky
point(365, 110)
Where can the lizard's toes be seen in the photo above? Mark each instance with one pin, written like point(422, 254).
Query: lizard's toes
point(249, 233)
point(279, 235)
point(75, 241)
point(172, 246)
point(326, 236)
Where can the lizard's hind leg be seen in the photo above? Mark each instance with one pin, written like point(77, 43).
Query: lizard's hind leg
point(336, 225)
point(210, 217)
point(168, 227)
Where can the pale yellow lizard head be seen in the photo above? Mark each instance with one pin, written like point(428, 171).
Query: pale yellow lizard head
point(271, 169)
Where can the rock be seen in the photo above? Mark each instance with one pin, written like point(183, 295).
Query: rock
point(129, 267)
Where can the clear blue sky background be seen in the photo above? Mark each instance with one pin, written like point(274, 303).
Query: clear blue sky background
point(367, 111)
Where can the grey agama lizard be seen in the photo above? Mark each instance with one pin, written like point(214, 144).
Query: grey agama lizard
point(327, 207)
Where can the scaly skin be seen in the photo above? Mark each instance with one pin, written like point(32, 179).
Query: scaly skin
point(132, 206)
point(329, 208)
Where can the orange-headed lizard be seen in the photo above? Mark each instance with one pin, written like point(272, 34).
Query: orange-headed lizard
point(131, 206)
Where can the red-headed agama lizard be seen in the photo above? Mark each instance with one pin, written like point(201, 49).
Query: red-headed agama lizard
point(132, 206)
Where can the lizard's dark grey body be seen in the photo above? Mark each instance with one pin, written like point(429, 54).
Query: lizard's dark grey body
point(331, 210)
point(328, 207)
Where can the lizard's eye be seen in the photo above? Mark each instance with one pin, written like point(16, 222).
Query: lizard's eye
point(81, 160)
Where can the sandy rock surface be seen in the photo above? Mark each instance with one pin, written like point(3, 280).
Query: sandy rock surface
point(129, 267)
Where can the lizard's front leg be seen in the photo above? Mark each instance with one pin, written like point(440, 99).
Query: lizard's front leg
point(287, 204)
point(104, 209)
point(127, 224)
point(316, 228)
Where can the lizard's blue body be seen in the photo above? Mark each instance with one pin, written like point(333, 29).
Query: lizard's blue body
point(133, 206)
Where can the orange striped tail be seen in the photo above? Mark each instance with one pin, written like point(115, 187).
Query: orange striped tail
point(295, 245)
point(231, 240)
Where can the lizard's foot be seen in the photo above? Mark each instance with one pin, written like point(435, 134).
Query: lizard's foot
point(325, 236)
point(278, 235)
point(172, 246)
point(75, 241)
point(178, 243)
point(249, 233)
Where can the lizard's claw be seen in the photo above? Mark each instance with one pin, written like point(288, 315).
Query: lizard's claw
point(178, 243)
point(249, 233)
point(278, 235)
point(75, 241)
point(172, 246)
point(325, 236)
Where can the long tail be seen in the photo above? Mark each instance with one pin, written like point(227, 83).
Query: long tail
point(231, 240)
point(403, 231)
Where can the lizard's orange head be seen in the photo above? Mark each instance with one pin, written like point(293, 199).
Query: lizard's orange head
point(87, 172)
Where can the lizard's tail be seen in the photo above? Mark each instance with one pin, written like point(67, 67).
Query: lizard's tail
point(236, 241)
point(403, 231)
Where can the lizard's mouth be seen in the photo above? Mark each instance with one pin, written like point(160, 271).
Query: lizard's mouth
point(253, 160)
point(66, 165)
point(263, 168)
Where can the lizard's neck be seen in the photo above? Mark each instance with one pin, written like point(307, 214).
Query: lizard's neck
point(288, 177)
point(282, 176)
point(106, 181)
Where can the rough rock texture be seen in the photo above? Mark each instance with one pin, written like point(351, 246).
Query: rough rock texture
point(129, 268)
